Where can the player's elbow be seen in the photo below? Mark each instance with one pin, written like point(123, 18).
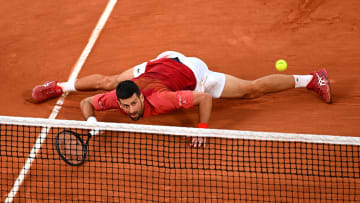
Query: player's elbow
point(207, 97)
point(85, 103)
point(202, 98)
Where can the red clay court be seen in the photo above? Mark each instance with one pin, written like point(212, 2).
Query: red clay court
point(42, 40)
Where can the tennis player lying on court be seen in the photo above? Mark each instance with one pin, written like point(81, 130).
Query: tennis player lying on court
point(173, 81)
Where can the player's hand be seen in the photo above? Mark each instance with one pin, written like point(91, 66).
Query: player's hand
point(198, 142)
point(94, 131)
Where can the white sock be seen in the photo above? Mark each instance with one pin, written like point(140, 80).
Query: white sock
point(302, 80)
point(67, 86)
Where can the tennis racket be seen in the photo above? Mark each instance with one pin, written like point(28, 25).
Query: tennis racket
point(71, 147)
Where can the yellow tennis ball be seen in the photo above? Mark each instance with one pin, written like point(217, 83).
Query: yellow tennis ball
point(281, 65)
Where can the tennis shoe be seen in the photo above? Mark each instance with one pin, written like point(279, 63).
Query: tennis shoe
point(321, 85)
point(46, 91)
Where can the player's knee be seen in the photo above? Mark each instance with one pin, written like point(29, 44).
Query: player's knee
point(255, 89)
point(107, 83)
point(83, 102)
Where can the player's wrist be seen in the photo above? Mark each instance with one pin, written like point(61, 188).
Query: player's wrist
point(94, 131)
point(91, 119)
point(203, 125)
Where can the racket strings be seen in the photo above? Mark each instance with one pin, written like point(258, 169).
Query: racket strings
point(71, 147)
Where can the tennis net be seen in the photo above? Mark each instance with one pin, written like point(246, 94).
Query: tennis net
point(129, 162)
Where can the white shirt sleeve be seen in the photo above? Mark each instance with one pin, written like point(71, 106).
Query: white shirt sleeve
point(170, 54)
point(139, 69)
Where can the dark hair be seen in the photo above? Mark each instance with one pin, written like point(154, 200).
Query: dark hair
point(126, 89)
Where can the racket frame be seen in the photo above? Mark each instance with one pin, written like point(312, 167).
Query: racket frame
point(84, 146)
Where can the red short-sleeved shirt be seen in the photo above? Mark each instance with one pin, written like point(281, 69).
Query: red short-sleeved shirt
point(166, 85)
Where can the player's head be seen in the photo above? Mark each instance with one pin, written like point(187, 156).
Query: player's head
point(130, 99)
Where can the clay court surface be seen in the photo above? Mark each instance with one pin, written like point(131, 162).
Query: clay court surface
point(42, 40)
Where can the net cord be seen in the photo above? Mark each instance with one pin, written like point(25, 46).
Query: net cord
point(183, 131)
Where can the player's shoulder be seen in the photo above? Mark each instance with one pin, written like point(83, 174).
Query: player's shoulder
point(107, 100)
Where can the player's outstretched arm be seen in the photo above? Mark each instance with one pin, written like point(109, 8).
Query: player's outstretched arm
point(204, 100)
point(87, 108)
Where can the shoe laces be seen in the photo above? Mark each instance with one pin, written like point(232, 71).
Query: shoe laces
point(321, 81)
point(47, 84)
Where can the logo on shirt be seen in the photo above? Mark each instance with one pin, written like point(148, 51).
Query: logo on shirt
point(100, 105)
point(181, 102)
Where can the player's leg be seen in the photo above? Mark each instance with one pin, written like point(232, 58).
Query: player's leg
point(239, 88)
point(101, 82)
point(221, 85)
point(54, 89)
point(98, 82)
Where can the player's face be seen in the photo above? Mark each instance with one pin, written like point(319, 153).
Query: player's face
point(133, 106)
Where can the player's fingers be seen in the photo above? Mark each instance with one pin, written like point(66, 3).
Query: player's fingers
point(194, 141)
point(198, 143)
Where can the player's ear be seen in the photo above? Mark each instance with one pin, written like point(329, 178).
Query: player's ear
point(118, 101)
point(141, 97)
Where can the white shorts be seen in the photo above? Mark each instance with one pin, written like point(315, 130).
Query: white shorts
point(206, 80)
